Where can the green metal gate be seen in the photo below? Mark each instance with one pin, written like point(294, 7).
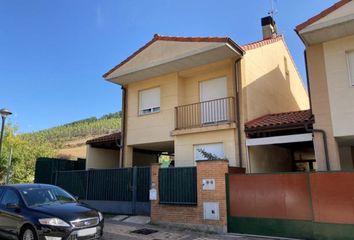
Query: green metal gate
point(121, 191)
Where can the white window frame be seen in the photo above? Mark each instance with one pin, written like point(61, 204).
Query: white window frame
point(350, 54)
point(196, 146)
point(150, 109)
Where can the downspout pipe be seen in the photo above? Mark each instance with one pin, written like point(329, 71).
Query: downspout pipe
point(324, 139)
point(237, 108)
point(120, 144)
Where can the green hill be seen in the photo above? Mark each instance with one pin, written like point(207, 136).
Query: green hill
point(84, 128)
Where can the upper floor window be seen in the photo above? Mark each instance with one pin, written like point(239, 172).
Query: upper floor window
point(149, 101)
point(350, 57)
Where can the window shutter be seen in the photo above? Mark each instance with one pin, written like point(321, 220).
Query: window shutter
point(149, 99)
point(350, 56)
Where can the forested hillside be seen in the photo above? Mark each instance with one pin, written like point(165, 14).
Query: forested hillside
point(60, 135)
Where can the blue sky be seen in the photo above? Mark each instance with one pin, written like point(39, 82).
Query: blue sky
point(53, 53)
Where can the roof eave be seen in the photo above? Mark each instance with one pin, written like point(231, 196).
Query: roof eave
point(180, 63)
point(157, 37)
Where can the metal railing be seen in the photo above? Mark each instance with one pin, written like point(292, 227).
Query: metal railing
point(206, 113)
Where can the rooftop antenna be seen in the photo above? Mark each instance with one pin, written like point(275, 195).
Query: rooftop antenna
point(273, 11)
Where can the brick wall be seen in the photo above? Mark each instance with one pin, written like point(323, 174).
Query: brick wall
point(193, 216)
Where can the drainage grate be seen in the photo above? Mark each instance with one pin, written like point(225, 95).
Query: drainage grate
point(144, 231)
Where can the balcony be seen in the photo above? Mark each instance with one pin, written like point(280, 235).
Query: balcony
point(204, 114)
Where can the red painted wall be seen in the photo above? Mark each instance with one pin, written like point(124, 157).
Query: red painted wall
point(323, 197)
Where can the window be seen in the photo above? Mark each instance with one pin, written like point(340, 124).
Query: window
point(149, 101)
point(350, 58)
point(10, 196)
point(216, 149)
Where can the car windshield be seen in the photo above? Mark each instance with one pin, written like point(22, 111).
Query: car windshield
point(47, 195)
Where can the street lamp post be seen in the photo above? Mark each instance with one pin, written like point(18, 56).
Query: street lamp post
point(4, 113)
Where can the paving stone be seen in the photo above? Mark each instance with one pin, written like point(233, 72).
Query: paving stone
point(119, 218)
point(123, 231)
point(137, 220)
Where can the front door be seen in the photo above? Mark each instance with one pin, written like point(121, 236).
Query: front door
point(214, 105)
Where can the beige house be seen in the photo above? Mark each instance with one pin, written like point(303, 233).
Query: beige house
point(184, 94)
point(329, 41)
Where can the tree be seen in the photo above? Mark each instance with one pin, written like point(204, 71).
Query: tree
point(25, 153)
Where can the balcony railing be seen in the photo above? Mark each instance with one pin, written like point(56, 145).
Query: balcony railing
point(206, 113)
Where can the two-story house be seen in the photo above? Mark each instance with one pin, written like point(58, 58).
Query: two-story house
point(329, 41)
point(184, 94)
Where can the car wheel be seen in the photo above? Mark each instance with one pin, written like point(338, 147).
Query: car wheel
point(28, 234)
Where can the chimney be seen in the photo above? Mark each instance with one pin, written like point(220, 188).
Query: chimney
point(269, 27)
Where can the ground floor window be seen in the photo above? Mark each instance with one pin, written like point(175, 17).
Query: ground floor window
point(216, 149)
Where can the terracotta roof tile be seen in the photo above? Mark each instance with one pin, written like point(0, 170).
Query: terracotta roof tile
point(177, 39)
point(262, 43)
point(106, 138)
point(280, 120)
point(321, 15)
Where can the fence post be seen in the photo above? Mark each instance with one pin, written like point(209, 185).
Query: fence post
point(56, 178)
point(134, 190)
point(87, 184)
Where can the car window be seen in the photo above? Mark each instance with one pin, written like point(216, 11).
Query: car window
point(43, 196)
point(10, 196)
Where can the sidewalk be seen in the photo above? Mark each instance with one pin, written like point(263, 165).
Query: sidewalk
point(123, 231)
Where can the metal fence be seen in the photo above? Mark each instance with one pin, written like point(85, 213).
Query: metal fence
point(205, 113)
point(47, 167)
point(74, 182)
point(107, 184)
point(178, 185)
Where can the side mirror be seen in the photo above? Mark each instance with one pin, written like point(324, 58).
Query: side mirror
point(12, 206)
point(77, 198)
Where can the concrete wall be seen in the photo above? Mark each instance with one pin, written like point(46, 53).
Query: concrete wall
point(101, 158)
point(321, 108)
point(189, 80)
point(341, 93)
point(272, 83)
point(184, 145)
point(270, 158)
point(155, 127)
